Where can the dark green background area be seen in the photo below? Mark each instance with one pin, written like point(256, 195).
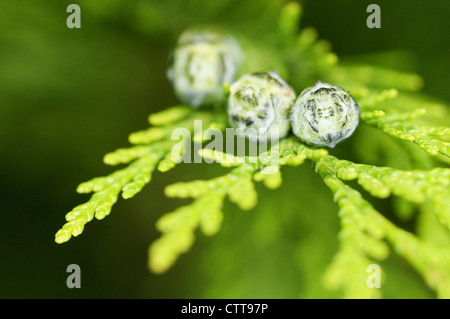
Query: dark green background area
point(67, 97)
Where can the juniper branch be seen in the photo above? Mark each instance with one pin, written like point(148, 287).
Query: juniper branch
point(153, 152)
point(363, 229)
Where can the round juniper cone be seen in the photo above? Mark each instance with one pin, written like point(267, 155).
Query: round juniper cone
point(324, 115)
point(259, 106)
point(202, 61)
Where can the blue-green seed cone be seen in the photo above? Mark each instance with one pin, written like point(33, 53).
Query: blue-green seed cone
point(203, 60)
point(259, 105)
point(324, 115)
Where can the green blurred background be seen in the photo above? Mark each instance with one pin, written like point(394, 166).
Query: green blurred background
point(68, 96)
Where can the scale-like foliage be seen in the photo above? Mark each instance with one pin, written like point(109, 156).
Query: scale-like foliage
point(366, 235)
